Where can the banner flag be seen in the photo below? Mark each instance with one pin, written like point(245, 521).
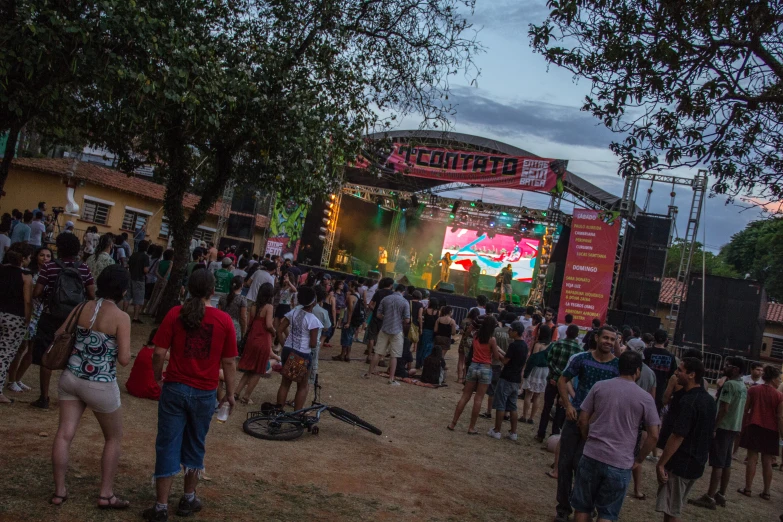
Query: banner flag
point(587, 282)
point(285, 228)
point(478, 168)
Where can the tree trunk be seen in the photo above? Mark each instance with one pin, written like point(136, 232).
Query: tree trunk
point(8, 155)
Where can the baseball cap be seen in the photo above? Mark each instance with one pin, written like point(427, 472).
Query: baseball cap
point(227, 261)
point(68, 224)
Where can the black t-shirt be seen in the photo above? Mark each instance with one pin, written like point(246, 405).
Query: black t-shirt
point(376, 298)
point(415, 307)
point(136, 264)
point(430, 372)
point(517, 353)
point(663, 363)
point(695, 421)
point(507, 275)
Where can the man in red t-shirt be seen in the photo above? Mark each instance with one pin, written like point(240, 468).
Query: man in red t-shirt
point(201, 340)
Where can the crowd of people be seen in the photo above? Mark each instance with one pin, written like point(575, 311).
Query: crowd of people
point(611, 399)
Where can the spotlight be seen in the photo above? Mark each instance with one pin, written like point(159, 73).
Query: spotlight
point(433, 198)
point(326, 221)
point(379, 200)
point(491, 223)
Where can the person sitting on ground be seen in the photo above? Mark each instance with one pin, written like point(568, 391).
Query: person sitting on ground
point(403, 369)
point(90, 381)
point(434, 368)
point(507, 389)
point(141, 383)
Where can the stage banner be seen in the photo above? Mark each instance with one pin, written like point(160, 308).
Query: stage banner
point(285, 228)
point(587, 282)
point(479, 168)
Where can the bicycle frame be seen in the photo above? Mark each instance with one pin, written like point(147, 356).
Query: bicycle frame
point(301, 416)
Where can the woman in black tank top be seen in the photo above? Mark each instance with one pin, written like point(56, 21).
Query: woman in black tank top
point(445, 327)
point(429, 316)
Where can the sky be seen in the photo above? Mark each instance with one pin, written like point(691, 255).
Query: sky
point(520, 100)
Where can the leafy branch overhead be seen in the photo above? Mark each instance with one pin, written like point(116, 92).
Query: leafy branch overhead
point(689, 83)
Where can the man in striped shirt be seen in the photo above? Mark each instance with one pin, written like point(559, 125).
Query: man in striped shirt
point(68, 246)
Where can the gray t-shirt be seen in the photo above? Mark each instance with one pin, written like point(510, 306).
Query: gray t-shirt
point(258, 279)
point(647, 379)
point(636, 344)
point(616, 408)
point(395, 309)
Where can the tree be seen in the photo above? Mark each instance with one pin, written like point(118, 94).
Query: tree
point(267, 94)
point(48, 51)
point(694, 83)
point(715, 264)
point(758, 251)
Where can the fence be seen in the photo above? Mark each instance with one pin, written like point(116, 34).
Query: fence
point(458, 313)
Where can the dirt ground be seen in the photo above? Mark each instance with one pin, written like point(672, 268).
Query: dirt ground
point(417, 470)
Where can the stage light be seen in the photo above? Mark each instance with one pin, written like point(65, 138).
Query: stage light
point(508, 225)
point(322, 238)
point(472, 203)
point(323, 230)
point(491, 223)
point(326, 221)
point(332, 196)
point(503, 214)
point(379, 200)
point(329, 204)
point(451, 216)
point(434, 199)
point(327, 213)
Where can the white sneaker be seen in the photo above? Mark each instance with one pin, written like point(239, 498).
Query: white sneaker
point(23, 386)
point(14, 387)
point(512, 436)
point(393, 383)
point(494, 434)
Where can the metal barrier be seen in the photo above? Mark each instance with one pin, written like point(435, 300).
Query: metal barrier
point(713, 362)
point(458, 313)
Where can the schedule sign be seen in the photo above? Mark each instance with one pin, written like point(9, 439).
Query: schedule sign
point(587, 283)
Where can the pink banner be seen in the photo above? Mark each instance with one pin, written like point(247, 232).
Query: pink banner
point(587, 283)
point(492, 170)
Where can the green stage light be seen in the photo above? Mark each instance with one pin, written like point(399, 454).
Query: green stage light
point(503, 214)
point(543, 213)
point(451, 216)
point(508, 225)
point(472, 203)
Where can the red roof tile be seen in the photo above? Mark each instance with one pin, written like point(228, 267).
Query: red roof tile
point(115, 179)
point(669, 286)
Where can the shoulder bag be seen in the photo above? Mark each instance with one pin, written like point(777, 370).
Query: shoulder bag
point(56, 357)
point(413, 331)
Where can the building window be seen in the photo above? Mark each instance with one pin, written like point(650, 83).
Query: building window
point(133, 220)
point(96, 212)
point(776, 351)
point(201, 234)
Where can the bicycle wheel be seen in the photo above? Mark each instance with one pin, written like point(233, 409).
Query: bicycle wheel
point(272, 427)
point(350, 418)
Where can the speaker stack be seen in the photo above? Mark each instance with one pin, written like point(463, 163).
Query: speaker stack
point(643, 264)
point(734, 317)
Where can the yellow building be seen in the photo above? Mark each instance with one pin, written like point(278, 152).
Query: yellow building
point(102, 197)
point(772, 342)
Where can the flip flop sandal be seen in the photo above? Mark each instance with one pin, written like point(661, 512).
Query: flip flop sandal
point(551, 475)
point(118, 504)
point(765, 496)
point(485, 415)
point(746, 492)
point(473, 433)
point(449, 428)
point(639, 497)
point(62, 498)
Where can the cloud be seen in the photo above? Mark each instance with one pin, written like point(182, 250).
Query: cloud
point(556, 123)
point(514, 15)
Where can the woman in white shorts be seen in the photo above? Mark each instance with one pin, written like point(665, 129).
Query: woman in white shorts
point(90, 381)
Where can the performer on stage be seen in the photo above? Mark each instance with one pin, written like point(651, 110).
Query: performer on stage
point(426, 273)
point(445, 268)
point(383, 258)
point(474, 272)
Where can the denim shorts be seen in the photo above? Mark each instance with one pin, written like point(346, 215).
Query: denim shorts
point(346, 336)
point(480, 373)
point(721, 447)
point(601, 487)
point(506, 396)
point(184, 414)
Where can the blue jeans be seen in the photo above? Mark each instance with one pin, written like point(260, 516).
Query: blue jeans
point(601, 487)
point(184, 414)
point(425, 346)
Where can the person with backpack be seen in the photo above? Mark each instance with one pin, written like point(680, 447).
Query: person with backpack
point(353, 318)
point(62, 284)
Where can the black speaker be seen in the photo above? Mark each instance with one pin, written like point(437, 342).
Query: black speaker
point(446, 288)
point(240, 226)
point(734, 316)
point(620, 318)
point(643, 264)
point(556, 269)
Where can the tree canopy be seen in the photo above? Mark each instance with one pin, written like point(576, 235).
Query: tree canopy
point(714, 264)
point(758, 251)
point(689, 83)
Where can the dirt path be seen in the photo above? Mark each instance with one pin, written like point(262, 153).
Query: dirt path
point(416, 470)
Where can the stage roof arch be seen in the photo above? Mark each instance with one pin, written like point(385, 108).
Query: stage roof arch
point(580, 189)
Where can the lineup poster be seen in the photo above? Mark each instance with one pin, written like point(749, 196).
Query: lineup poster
point(587, 282)
point(285, 228)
